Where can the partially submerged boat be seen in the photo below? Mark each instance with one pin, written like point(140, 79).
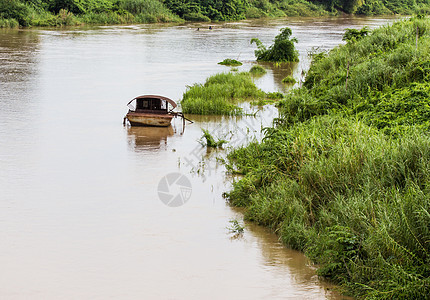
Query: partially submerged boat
point(151, 110)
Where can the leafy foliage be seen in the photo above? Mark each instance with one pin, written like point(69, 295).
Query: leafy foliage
point(51, 12)
point(11, 9)
point(352, 34)
point(283, 48)
point(213, 9)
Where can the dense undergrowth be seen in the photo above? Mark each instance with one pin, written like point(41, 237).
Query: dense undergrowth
point(14, 13)
point(344, 174)
point(221, 93)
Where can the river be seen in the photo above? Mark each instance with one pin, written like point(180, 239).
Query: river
point(81, 210)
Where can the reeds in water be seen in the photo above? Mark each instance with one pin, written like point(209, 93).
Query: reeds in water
point(220, 94)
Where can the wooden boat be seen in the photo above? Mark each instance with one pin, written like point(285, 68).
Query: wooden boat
point(150, 110)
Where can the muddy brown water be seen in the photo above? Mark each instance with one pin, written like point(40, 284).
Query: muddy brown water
point(81, 210)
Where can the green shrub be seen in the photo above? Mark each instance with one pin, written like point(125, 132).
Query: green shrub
point(352, 34)
point(196, 17)
point(282, 50)
point(15, 10)
point(254, 13)
point(9, 23)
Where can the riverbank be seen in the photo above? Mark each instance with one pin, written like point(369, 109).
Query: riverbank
point(17, 13)
point(343, 175)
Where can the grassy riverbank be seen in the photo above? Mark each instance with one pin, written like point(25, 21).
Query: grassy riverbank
point(344, 175)
point(14, 13)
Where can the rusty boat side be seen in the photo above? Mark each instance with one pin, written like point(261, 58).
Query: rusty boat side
point(150, 110)
point(149, 119)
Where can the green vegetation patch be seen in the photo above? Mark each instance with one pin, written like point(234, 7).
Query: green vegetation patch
point(257, 70)
point(283, 49)
point(289, 80)
point(74, 12)
point(343, 174)
point(230, 62)
point(220, 94)
point(46, 12)
point(209, 141)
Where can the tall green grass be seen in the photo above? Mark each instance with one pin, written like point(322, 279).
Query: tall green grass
point(344, 173)
point(390, 59)
point(220, 94)
point(353, 199)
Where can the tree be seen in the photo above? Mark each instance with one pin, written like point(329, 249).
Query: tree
point(282, 50)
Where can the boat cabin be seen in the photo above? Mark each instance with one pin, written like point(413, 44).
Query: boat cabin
point(151, 104)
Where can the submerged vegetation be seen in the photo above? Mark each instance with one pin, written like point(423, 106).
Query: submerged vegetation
point(209, 141)
point(220, 94)
point(14, 13)
point(230, 62)
point(344, 174)
point(282, 50)
point(257, 70)
point(289, 80)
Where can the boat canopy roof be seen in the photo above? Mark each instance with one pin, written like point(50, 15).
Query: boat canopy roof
point(173, 103)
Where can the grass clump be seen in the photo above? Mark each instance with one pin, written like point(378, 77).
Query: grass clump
point(289, 80)
point(257, 70)
point(209, 141)
point(220, 94)
point(230, 62)
point(235, 227)
point(344, 173)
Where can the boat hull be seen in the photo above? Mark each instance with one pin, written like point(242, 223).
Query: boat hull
point(146, 119)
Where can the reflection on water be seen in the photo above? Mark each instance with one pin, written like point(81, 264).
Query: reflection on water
point(19, 103)
point(148, 138)
point(79, 210)
point(278, 72)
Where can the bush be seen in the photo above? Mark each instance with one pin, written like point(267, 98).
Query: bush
point(282, 50)
point(14, 10)
point(196, 17)
point(9, 23)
